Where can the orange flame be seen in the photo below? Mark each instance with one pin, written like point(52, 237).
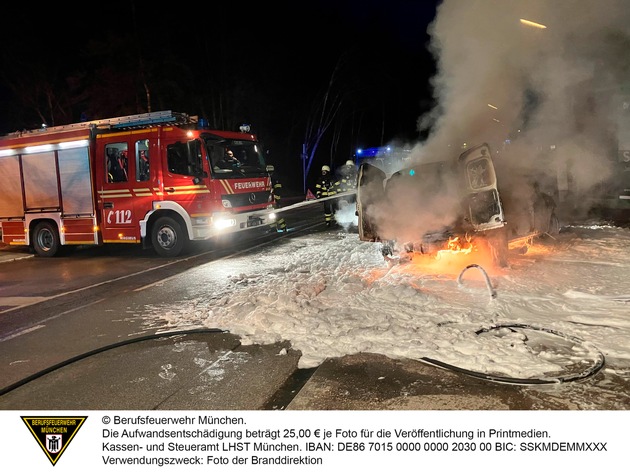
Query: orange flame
point(454, 245)
point(458, 252)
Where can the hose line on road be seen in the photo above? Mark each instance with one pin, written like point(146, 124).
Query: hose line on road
point(597, 364)
point(491, 289)
point(594, 368)
point(154, 336)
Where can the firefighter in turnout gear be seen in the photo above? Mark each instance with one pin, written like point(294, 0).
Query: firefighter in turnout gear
point(350, 176)
point(280, 225)
point(327, 186)
point(347, 178)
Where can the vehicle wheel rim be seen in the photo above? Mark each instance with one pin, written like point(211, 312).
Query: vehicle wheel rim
point(45, 240)
point(166, 237)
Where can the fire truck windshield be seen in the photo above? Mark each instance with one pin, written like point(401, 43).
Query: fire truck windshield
point(232, 158)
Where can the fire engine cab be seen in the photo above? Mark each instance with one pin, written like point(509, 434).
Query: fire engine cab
point(160, 179)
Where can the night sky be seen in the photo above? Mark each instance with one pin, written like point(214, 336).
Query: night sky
point(264, 64)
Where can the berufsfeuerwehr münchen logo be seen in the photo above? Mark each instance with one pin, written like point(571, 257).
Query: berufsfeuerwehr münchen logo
point(53, 434)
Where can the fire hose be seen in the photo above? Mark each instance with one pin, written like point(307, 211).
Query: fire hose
point(595, 366)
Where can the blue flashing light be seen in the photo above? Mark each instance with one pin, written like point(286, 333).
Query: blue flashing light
point(412, 172)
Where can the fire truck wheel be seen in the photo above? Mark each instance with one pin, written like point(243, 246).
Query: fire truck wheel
point(168, 237)
point(46, 239)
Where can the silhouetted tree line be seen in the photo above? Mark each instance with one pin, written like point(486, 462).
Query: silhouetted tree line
point(344, 98)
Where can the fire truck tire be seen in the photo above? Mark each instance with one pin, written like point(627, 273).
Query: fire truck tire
point(168, 237)
point(46, 239)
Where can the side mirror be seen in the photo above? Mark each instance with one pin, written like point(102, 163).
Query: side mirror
point(197, 179)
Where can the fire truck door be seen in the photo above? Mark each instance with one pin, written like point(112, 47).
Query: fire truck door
point(116, 197)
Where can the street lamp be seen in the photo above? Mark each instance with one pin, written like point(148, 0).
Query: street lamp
point(532, 23)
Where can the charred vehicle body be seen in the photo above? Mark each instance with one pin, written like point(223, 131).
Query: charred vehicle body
point(433, 206)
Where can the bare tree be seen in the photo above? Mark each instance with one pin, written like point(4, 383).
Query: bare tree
point(325, 109)
point(142, 73)
point(42, 93)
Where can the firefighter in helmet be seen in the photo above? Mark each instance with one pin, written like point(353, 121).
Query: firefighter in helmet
point(280, 225)
point(347, 176)
point(326, 186)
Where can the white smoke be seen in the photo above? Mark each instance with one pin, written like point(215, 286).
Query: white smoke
point(547, 90)
point(544, 99)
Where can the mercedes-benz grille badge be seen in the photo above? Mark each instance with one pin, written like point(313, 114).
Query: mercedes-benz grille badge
point(252, 198)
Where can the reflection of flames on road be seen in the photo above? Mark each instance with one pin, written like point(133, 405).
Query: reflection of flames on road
point(521, 244)
point(526, 245)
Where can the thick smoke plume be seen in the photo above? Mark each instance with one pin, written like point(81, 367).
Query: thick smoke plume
point(546, 100)
point(554, 89)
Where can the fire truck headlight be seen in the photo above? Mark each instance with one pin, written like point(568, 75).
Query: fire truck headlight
point(272, 217)
point(226, 203)
point(221, 223)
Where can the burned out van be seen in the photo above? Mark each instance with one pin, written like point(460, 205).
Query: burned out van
point(428, 207)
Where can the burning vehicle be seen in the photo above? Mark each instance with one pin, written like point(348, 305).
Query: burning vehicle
point(450, 205)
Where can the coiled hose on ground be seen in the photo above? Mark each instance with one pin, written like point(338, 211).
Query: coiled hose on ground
point(596, 365)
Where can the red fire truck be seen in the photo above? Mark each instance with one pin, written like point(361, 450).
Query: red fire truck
point(159, 179)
